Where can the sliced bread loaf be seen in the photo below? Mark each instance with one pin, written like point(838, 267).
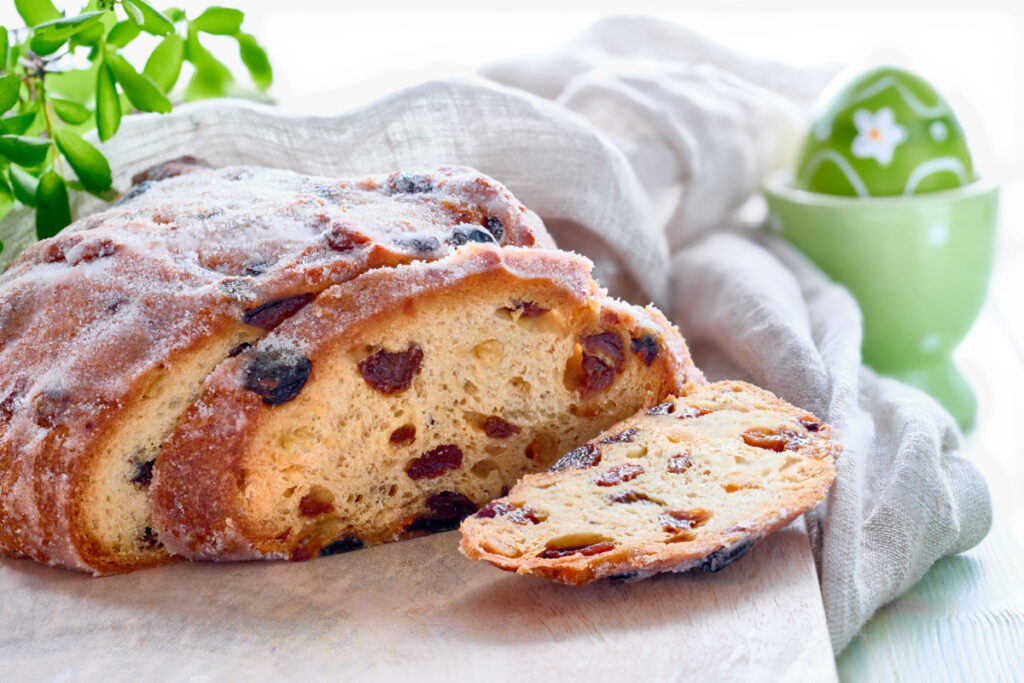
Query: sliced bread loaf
point(397, 403)
point(695, 481)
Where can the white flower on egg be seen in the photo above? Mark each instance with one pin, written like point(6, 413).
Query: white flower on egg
point(878, 134)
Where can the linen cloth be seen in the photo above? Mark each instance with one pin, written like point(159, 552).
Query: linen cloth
point(638, 144)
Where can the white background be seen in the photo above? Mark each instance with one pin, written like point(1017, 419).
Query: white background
point(328, 57)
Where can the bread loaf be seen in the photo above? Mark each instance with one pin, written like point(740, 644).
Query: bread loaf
point(108, 330)
point(692, 482)
point(397, 403)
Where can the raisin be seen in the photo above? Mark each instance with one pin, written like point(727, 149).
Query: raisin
point(435, 462)
point(646, 347)
point(625, 576)
point(810, 425)
point(580, 458)
point(666, 408)
point(625, 436)
point(257, 266)
point(403, 436)
point(497, 428)
point(239, 349)
point(527, 309)
point(277, 375)
point(392, 372)
point(463, 234)
point(619, 474)
point(409, 183)
point(691, 411)
point(777, 440)
point(609, 345)
point(319, 501)
point(679, 463)
point(271, 314)
point(342, 545)
point(418, 244)
point(585, 550)
point(597, 376)
point(169, 169)
point(133, 192)
point(448, 508)
point(683, 520)
point(149, 539)
point(631, 496)
point(518, 515)
point(142, 475)
point(50, 405)
point(495, 227)
point(718, 559)
point(343, 238)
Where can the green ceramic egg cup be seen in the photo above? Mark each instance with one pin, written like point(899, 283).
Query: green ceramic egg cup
point(918, 266)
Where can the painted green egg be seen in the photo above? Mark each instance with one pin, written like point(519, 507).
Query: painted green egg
point(887, 132)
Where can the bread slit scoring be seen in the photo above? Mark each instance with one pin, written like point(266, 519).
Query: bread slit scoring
point(400, 402)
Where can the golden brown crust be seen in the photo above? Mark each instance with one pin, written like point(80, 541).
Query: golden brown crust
point(483, 539)
point(200, 475)
point(88, 316)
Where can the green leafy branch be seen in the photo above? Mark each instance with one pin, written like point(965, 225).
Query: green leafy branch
point(48, 101)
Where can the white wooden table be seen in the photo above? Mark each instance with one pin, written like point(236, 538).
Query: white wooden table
point(964, 620)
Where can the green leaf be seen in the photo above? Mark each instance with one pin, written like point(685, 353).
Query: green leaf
point(17, 124)
point(24, 151)
point(65, 27)
point(255, 59)
point(4, 44)
point(90, 36)
point(90, 165)
point(36, 12)
point(74, 84)
point(6, 199)
point(70, 112)
point(53, 212)
point(108, 105)
point(164, 64)
point(221, 21)
point(174, 14)
point(10, 87)
point(211, 78)
point(123, 33)
point(44, 46)
point(140, 90)
point(24, 185)
point(150, 19)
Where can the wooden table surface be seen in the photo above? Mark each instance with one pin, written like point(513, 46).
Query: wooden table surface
point(964, 621)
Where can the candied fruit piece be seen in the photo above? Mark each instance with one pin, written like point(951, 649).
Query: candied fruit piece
point(435, 462)
point(277, 375)
point(497, 428)
point(319, 501)
point(688, 412)
point(580, 458)
point(619, 474)
point(392, 372)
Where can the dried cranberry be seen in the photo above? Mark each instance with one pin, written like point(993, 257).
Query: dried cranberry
point(142, 475)
point(314, 506)
point(409, 183)
point(679, 463)
point(608, 345)
point(683, 520)
point(342, 545)
point(631, 496)
point(518, 515)
point(597, 376)
point(619, 474)
point(580, 458)
point(435, 462)
point(625, 436)
point(645, 347)
point(722, 557)
point(392, 372)
point(495, 227)
point(277, 375)
point(497, 428)
point(777, 440)
point(403, 436)
point(585, 550)
point(666, 408)
point(463, 234)
point(271, 314)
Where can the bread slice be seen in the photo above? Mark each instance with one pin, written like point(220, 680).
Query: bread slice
point(695, 481)
point(108, 330)
point(396, 404)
